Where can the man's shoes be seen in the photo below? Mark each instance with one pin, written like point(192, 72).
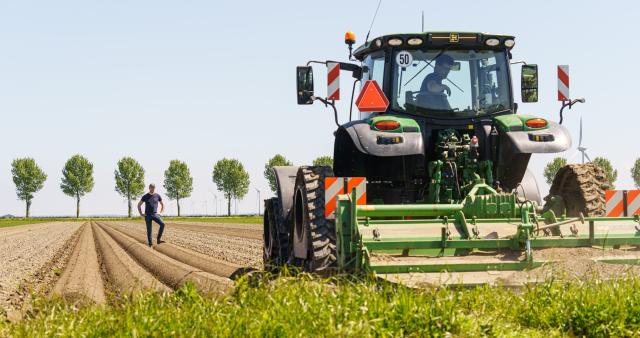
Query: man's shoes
point(150, 245)
point(160, 241)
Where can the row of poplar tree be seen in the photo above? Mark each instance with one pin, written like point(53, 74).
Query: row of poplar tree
point(229, 176)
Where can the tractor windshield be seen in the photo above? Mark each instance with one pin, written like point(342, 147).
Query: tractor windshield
point(451, 83)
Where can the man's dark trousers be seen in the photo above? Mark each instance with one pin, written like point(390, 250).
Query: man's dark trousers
point(148, 219)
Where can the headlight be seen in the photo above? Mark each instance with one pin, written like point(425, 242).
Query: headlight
point(492, 42)
point(414, 41)
point(378, 43)
point(509, 43)
point(394, 42)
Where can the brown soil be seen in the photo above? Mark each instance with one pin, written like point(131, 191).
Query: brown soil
point(122, 272)
point(31, 255)
point(81, 262)
point(580, 264)
point(171, 272)
point(81, 281)
point(235, 250)
point(249, 231)
point(193, 258)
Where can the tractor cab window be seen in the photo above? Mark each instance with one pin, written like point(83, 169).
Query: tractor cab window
point(374, 70)
point(451, 84)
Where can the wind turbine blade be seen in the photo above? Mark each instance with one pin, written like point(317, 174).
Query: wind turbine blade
point(580, 139)
point(587, 156)
point(570, 158)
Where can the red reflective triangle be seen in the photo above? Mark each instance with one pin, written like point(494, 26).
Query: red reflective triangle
point(371, 98)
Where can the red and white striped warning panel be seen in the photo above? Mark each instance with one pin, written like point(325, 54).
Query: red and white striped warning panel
point(563, 83)
point(333, 81)
point(334, 186)
point(622, 203)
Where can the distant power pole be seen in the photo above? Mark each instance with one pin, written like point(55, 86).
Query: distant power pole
point(215, 202)
point(258, 190)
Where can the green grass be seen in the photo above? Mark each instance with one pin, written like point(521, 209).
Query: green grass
point(307, 306)
point(10, 222)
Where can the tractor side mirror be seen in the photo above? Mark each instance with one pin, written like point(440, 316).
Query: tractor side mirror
point(529, 83)
point(304, 84)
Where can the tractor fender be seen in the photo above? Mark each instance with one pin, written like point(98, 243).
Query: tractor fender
point(528, 188)
point(555, 139)
point(366, 141)
point(285, 183)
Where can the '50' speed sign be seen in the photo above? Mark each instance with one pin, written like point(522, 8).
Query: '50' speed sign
point(404, 59)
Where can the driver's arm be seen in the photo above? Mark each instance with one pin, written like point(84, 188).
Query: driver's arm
point(435, 87)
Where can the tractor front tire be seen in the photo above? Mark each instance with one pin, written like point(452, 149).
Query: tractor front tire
point(581, 188)
point(313, 236)
point(275, 250)
point(269, 251)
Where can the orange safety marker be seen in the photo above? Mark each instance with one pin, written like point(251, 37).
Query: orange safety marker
point(619, 201)
point(372, 98)
point(334, 186)
point(633, 202)
point(613, 202)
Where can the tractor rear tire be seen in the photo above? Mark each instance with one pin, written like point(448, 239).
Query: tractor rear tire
point(313, 236)
point(275, 250)
point(581, 187)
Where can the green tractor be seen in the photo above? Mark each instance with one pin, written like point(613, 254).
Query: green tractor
point(434, 175)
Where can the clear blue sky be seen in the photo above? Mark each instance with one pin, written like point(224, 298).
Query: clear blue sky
point(201, 80)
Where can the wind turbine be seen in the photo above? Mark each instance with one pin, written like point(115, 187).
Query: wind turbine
point(582, 149)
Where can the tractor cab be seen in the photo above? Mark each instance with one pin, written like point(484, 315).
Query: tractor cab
point(448, 117)
point(437, 75)
point(442, 75)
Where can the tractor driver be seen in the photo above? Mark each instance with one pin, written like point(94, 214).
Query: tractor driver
point(433, 89)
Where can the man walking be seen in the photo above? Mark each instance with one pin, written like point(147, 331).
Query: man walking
point(151, 200)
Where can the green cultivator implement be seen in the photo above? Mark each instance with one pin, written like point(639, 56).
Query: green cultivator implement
point(502, 236)
point(431, 184)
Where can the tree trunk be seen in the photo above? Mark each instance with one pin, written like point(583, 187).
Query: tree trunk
point(229, 205)
point(77, 206)
point(28, 207)
point(178, 203)
point(129, 202)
